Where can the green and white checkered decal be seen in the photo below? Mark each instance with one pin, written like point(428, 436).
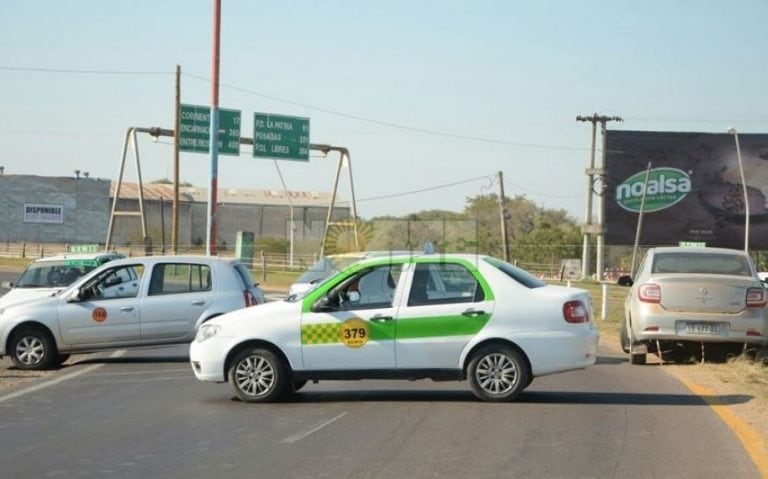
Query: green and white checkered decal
point(323, 333)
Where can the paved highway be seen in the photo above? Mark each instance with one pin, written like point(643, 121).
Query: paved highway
point(141, 413)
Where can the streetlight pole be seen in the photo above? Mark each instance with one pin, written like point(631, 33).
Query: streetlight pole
point(735, 134)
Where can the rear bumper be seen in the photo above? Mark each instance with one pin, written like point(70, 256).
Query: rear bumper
point(749, 326)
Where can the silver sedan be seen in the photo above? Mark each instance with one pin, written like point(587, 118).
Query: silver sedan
point(682, 299)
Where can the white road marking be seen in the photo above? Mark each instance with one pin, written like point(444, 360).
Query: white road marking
point(60, 379)
point(300, 436)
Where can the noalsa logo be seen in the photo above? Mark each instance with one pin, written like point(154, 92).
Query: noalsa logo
point(666, 187)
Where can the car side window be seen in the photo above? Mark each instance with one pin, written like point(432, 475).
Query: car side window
point(122, 282)
point(175, 278)
point(443, 284)
point(373, 288)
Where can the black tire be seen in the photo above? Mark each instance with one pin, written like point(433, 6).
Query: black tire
point(33, 348)
point(298, 385)
point(637, 358)
point(624, 336)
point(498, 373)
point(258, 375)
point(62, 358)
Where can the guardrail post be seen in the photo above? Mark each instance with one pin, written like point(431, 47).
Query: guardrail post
point(42, 251)
point(23, 249)
point(263, 266)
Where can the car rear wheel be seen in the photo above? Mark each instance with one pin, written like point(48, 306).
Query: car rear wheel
point(258, 375)
point(33, 348)
point(624, 336)
point(498, 373)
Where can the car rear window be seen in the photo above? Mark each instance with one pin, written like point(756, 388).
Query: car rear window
point(245, 275)
point(520, 275)
point(172, 278)
point(701, 263)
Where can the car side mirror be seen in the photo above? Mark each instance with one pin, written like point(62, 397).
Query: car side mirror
point(625, 280)
point(322, 304)
point(6, 284)
point(73, 296)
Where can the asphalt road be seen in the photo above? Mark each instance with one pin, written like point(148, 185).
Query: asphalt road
point(143, 414)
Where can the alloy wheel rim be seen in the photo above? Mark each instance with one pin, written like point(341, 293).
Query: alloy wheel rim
point(255, 376)
point(496, 374)
point(30, 350)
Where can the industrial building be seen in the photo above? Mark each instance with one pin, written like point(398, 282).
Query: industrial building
point(41, 209)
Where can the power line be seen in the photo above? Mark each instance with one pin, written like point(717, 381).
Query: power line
point(389, 124)
point(698, 120)
point(83, 72)
point(422, 190)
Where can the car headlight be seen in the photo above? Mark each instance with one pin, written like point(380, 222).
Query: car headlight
point(207, 331)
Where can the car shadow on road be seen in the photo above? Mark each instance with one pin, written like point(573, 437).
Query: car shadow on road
point(133, 360)
point(630, 399)
point(527, 397)
point(611, 360)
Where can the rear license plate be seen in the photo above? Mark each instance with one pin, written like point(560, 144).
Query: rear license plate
point(702, 328)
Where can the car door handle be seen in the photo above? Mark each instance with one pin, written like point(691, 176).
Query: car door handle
point(473, 312)
point(127, 309)
point(198, 302)
point(379, 318)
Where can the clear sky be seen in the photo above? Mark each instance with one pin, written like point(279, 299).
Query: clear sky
point(423, 93)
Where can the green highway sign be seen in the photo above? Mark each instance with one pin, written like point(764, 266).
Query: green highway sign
point(280, 137)
point(196, 130)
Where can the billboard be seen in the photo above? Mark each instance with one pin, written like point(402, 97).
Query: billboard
point(694, 192)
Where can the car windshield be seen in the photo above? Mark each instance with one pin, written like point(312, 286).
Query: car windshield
point(51, 274)
point(325, 268)
point(520, 275)
point(701, 263)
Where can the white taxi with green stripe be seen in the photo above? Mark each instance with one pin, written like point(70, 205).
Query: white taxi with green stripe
point(443, 317)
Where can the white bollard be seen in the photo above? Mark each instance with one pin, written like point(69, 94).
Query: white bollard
point(605, 302)
point(568, 283)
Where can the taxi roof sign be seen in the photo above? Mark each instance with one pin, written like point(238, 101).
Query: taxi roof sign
point(84, 248)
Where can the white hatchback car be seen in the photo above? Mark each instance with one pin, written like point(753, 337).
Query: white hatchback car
point(50, 274)
point(444, 317)
point(126, 303)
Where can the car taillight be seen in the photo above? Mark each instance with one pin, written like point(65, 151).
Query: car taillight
point(649, 293)
point(250, 299)
point(756, 298)
point(575, 312)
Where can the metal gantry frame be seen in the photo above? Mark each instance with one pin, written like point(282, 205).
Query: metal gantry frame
point(132, 142)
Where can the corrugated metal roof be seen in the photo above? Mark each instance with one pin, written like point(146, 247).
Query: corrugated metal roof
point(227, 195)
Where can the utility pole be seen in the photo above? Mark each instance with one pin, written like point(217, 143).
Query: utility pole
point(595, 186)
point(214, 133)
point(503, 217)
point(176, 137)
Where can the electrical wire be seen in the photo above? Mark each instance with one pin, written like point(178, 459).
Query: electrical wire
point(83, 72)
point(390, 124)
point(423, 190)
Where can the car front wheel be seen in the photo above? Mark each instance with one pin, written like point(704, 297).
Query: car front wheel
point(498, 373)
point(258, 375)
point(33, 349)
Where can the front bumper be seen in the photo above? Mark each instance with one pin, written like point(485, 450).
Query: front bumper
point(208, 358)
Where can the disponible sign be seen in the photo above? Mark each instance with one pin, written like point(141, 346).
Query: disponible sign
point(280, 137)
point(43, 213)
